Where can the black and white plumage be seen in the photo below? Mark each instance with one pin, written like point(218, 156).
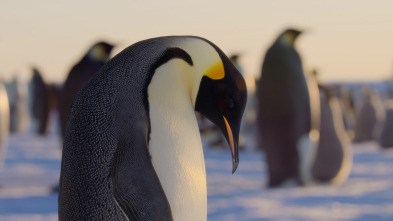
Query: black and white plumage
point(132, 148)
point(285, 115)
point(79, 74)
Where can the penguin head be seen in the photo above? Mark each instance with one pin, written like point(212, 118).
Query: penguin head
point(100, 51)
point(289, 36)
point(221, 93)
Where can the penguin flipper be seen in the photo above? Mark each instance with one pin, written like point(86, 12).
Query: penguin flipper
point(136, 187)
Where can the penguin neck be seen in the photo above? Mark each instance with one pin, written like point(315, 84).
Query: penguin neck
point(175, 143)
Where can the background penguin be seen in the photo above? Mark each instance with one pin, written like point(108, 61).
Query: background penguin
point(39, 103)
point(386, 138)
point(4, 122)
point(91, 62)
point(333, 160)
point(285, 114)
point(132, 148)
point(19, 110)
point(369, 117)
point(348, 109)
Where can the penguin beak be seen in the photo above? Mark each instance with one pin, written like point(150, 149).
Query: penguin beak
point(233, 145)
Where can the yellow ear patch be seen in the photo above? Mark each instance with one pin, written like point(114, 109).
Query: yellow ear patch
point(216, 71)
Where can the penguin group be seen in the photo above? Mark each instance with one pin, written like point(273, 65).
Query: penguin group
point(131, 124)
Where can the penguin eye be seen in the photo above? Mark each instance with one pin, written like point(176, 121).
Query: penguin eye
point(231, 104)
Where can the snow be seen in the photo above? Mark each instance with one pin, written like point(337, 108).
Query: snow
point(32, 169)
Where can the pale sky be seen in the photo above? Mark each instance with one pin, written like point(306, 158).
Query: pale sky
point(344, 40)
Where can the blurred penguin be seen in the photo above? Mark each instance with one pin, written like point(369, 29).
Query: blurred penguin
point(39, 104)
point(348, 109)
point(4, 123)
point(386, 138)
point(369, 117)
point(288, 116)
point(333, 161)
point(90, 63)
point(19, 110)
point(235, 61)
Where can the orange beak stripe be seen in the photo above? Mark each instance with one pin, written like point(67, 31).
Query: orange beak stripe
point(230, 136)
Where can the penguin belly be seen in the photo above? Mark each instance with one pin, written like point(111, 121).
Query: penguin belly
point(175, 144)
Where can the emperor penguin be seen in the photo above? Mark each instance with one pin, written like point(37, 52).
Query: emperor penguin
point(386, 137)
point(4, 123)
point(333, 160)
point(39, 103)
point(288, 115)
point(369, 118)
point(348, 107)
point(80, 73)
point(19, 111)
point(132, 148)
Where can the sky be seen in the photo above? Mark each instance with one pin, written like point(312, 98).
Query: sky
point(344, 40)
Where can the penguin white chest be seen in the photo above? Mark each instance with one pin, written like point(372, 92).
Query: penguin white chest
point(175, 143)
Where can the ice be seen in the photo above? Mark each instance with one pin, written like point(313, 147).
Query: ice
point(32, 169)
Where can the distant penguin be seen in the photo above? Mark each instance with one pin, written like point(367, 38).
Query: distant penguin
point(235, 61)
point(333, 160)
point(369, 117)
point(4, 123)
point(19, 110)
point(91, 62)
point(348, 107)
point(132, 149)
point(285, 115)
point(386, 137)
point(39, 103)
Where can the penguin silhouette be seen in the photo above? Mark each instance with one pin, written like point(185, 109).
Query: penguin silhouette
point(369, 117)
point(19, 110)
point(386, 137)
point(40, 107)
point(80, 73)
point(132, 148)
point(285, 113)
point(333, 160)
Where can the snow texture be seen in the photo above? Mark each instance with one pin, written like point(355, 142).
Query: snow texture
point(32, 169)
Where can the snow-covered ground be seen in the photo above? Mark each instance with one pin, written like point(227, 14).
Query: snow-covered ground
point(32, 168)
